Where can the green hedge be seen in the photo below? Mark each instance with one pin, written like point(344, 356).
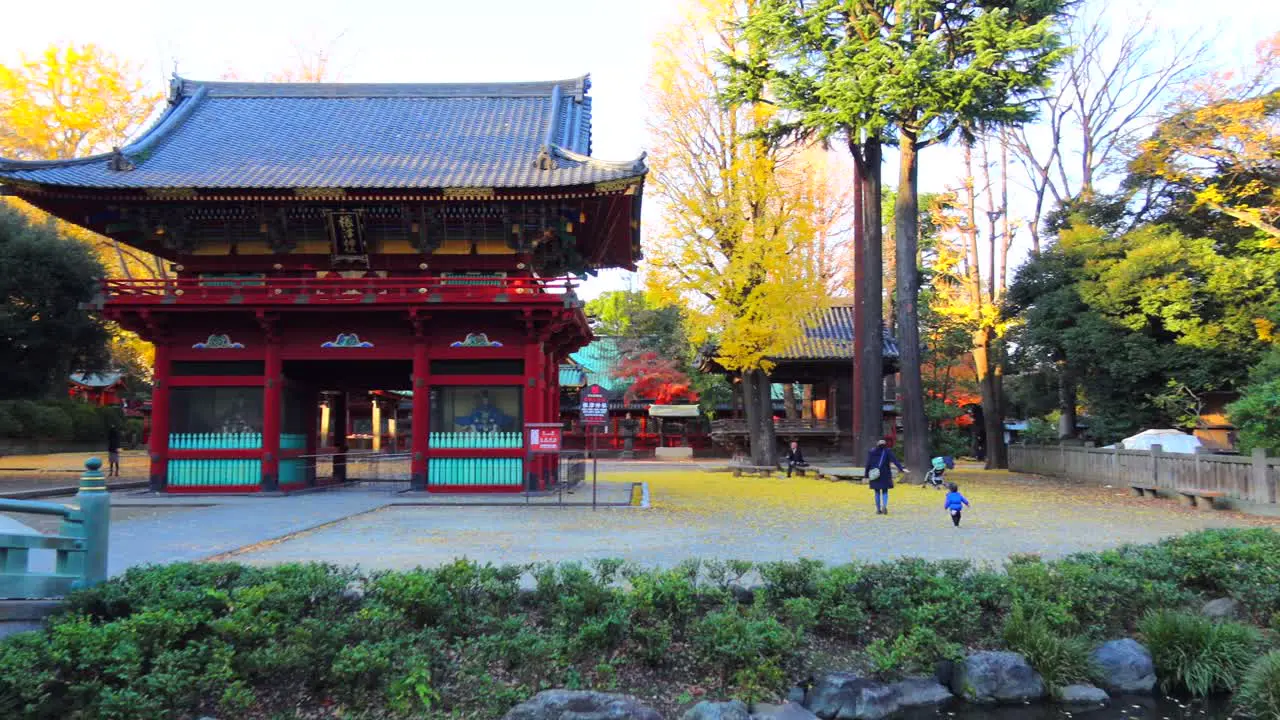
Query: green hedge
point(58, 420)
point(465, 640)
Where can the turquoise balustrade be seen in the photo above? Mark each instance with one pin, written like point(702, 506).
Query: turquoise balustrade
point(215, 441)
point(214, 473)
point(468, 472)
point(470, 440)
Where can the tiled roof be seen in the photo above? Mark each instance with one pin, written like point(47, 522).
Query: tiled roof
point(598, 360)
point(324, 135)
point(829, 336)
point(97, 380)
point(572, 376)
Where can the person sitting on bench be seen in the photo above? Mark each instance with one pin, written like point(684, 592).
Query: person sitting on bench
point(794, 458)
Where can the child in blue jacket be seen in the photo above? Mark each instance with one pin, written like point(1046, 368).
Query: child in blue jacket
point(954, 503)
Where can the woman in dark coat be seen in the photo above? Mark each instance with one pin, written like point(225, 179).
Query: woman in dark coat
point(882, 458)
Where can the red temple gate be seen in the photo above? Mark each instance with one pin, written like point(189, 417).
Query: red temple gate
point(325, 239)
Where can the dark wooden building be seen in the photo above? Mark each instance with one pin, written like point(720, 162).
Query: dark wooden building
point(818, 367)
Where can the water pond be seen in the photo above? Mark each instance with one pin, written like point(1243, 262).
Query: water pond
point(1124, 708)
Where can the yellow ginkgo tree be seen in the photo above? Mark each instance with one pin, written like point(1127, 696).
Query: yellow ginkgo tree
point(745, 238)
point(72, 101)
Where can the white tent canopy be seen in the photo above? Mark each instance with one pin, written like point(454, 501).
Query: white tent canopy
point(1169, 440)
point(673, 411)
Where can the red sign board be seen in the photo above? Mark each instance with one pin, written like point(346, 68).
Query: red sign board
point(544, 439)
point(595, 406)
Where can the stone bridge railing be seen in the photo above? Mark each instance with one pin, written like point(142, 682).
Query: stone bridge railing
point(80, 547)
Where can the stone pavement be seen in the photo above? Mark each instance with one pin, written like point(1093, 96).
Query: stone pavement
point(149, 529)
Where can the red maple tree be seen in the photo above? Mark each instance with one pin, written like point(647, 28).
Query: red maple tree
point(653, 377)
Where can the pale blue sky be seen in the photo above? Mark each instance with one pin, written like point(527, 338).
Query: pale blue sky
point(439, 41)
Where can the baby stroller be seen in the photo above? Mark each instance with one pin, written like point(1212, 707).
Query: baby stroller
point(934, 478)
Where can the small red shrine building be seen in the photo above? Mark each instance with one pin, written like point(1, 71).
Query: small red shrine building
point(101, 389)
point(326, 239)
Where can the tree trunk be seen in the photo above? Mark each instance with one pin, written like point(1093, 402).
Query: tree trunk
point(759, 418)
point(789, 400)
point(1067, 406)
point(983, 337)
point(992, 416)
point(868, 378)
point(751, 412)
point(907, 218)
point(1006, 230)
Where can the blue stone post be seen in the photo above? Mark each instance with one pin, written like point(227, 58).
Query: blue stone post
point(95, 508)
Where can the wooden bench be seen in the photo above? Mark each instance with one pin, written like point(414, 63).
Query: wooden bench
point(1141, 490)
point(841, 472)
point(762, 470)
point(1201, 499)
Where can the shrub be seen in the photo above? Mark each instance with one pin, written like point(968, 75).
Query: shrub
point(1244, 564)
point(1259, 692)
point(945, 595)
point(41, 421)
point(88, 423)
point(10, 427)
point(784, 580)
point(1196, 654)
point(917, 651)
point(840, 608)
point(1060, 660)
point(743, 648)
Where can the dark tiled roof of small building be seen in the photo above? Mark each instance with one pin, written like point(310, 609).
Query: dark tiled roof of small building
point(829, 336)
point(97, 380)
point(334, 135)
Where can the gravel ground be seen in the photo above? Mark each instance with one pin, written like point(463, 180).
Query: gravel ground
point(713, 515)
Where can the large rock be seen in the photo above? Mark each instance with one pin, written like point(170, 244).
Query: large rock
point(921, 692)
point(1083, 696)
point(581, 705)
point(997, 678)
point(354, 592)
point(1221, 609)
point(743, 595)
point(785, 711)
point(706, 710)
point(845, 696)
point(1125, 667)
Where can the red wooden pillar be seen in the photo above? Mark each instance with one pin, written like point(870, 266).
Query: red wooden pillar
point(159, 440)
point(532, 404)
point(552, 408)
point(421, 425)
point(271, 408)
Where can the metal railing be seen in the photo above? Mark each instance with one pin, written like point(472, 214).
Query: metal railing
point(80, 547)
point(304, 290)
point(571, 469)
point(382, 470)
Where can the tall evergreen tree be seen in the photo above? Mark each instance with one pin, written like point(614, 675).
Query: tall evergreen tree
point(912, 70)
point(44, 335)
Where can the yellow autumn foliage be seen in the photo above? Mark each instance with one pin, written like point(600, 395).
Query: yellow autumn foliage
point(71, 101)
point(748, 227)
point(1222, 144)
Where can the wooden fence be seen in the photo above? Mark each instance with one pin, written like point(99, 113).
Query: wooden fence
point(1249, 479)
